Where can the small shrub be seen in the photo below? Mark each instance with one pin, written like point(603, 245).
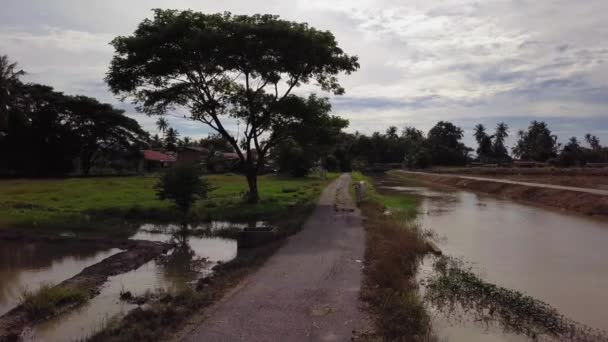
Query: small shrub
point(48, 299)
point(183, 184)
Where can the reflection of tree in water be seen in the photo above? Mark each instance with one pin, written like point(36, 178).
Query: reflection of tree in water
point(460, 294)
point(182, 265)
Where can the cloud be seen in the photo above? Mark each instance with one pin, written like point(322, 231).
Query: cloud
point(421, 61)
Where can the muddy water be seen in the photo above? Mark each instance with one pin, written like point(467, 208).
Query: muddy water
point(555, 257)
point(28, 265)
point(192, 259)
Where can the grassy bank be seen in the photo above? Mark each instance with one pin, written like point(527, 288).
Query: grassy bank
point(104, 204)
point(394, 248)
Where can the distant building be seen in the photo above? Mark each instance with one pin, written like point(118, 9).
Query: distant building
point(156, 159)
point(192, 154)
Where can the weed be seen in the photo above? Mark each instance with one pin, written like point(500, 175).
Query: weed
point(49, 299)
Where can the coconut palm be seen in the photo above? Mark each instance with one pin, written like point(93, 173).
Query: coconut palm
point(479, 133)
point(500, 150)
point(162, 124)
point(171, 139)
point(9, 79)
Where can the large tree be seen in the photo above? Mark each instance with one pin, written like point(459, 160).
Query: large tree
point(100, 129)
point(310, 141)
point(223, 66)
point(445, 146)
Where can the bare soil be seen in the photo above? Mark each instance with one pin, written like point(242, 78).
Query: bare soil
point(574, 201)
point(593, 178)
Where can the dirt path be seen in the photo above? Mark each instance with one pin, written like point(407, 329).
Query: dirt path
point(308, 290)
point(506, 181)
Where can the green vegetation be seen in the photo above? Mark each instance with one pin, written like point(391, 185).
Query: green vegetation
point(403, 204)
point(183, 185)
point(454, 288)
point(394, 249)
point(104, 204)
point(49, 299)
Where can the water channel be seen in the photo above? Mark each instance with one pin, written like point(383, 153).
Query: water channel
point(559, 258)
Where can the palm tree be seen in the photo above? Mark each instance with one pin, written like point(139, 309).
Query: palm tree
point(593, 141)
point(484, 142)
point(500, 150)
point(9, 79)
point(502, 131)
point(162, 124)
point(171, 139)
point(480, 133)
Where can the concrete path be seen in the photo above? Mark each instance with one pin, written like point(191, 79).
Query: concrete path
point(506, 181)
point(308, 290)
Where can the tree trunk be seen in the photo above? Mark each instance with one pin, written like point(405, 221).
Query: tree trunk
point(252, 181)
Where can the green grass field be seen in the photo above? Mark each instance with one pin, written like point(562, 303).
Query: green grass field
point(403, 202)
point(88, 203)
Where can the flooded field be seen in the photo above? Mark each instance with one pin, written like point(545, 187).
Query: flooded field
point(28, 265)
point(557, 258)
point(191, 259)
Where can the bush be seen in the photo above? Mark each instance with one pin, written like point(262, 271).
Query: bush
point(183, 184)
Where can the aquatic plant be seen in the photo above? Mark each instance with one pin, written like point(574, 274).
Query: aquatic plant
point(456, 290)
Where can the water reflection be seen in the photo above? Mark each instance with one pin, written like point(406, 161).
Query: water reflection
point(29, 264)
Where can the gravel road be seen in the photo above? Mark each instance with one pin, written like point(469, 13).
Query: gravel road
point(506, 181)
point(308, 290)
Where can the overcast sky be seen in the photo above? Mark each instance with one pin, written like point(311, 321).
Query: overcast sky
point(421, 61)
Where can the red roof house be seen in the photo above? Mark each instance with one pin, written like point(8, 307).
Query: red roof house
point(152, 155)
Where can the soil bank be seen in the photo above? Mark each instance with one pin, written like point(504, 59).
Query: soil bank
point(575, 201)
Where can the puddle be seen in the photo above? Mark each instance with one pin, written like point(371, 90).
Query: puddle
point(192, 259)
point(160, 232)
point(552, 256)
point(31, 264)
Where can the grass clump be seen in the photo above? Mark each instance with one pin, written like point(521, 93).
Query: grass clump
point(49, 299)
point(394, 249)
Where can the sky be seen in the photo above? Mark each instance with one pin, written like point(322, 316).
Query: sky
point(422, 61)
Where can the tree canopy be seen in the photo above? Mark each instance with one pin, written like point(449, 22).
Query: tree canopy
point(310, 141)
point(48, 131)
point(221, 66)
point(537, 143)
point(445, 146)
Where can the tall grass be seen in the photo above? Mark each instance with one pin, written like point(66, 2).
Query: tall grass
point(394, 248)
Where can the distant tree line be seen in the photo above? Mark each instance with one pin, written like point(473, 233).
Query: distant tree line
point(441, 146)
point(47, 133)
